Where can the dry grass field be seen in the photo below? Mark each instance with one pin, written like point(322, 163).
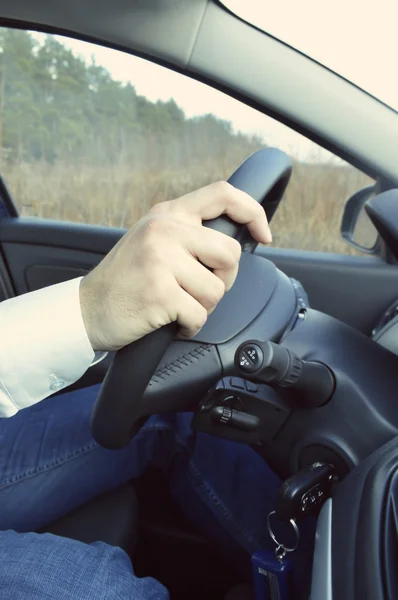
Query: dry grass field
point(117, 195)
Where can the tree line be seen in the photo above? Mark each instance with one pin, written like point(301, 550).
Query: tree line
point(54, 106)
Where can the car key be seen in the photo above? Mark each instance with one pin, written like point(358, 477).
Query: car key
point(305, 492)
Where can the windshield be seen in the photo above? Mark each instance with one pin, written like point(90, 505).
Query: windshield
point(355, 39)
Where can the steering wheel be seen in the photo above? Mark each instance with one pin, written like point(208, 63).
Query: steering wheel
point(156, 374)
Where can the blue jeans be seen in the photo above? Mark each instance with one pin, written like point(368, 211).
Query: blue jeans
point(50, 464)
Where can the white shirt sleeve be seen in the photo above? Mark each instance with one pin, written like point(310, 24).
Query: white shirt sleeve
point(43, 345)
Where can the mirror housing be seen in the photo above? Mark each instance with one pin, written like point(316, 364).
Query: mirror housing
point(356, 227)
point(382, 210)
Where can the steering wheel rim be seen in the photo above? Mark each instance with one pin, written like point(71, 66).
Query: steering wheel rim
point(116, 416)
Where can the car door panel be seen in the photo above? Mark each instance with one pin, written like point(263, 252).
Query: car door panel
point(35, 266)
point(47, 232)
point(41, 252)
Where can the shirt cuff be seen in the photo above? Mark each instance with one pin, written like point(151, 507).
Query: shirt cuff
point(44, 345)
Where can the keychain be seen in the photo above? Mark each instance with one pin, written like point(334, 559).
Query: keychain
point(300, 496)
point(272, 571)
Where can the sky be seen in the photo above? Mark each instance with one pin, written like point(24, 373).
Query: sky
point(343, 35)
point(355, 38)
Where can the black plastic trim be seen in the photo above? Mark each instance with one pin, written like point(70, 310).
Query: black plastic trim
point(59, 234)
point(353, 289)
point(6, 288)
point(359, 529)
point(6, 197)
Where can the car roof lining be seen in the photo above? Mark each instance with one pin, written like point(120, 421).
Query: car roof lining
point(196, 38)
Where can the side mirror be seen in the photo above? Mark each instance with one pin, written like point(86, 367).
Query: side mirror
point(356, 227)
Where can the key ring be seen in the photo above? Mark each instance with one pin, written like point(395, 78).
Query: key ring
point(280, 553)
point(281, 548)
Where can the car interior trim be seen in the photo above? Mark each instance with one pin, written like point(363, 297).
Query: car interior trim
point(321, 587)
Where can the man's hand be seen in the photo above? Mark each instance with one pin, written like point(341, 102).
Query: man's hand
point(156, 275)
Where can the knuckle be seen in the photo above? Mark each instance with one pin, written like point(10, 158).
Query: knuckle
point(200, 318)
point(216, 291)
point(160, 207)
point(223, 188)
point(235, 250)
point(151, 229)
point(153, 226)
point(158, 227)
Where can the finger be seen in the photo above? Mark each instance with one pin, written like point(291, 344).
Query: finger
point(212, 248)
point(199, 282)
point(222, 198)
point(191, 315)
point(228, 276)
point(217, 251)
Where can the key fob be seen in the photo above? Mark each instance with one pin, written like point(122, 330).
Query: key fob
point(272, 577)
point(305, 492)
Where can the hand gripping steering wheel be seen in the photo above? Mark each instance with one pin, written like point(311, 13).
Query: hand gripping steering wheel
point(156, 374)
